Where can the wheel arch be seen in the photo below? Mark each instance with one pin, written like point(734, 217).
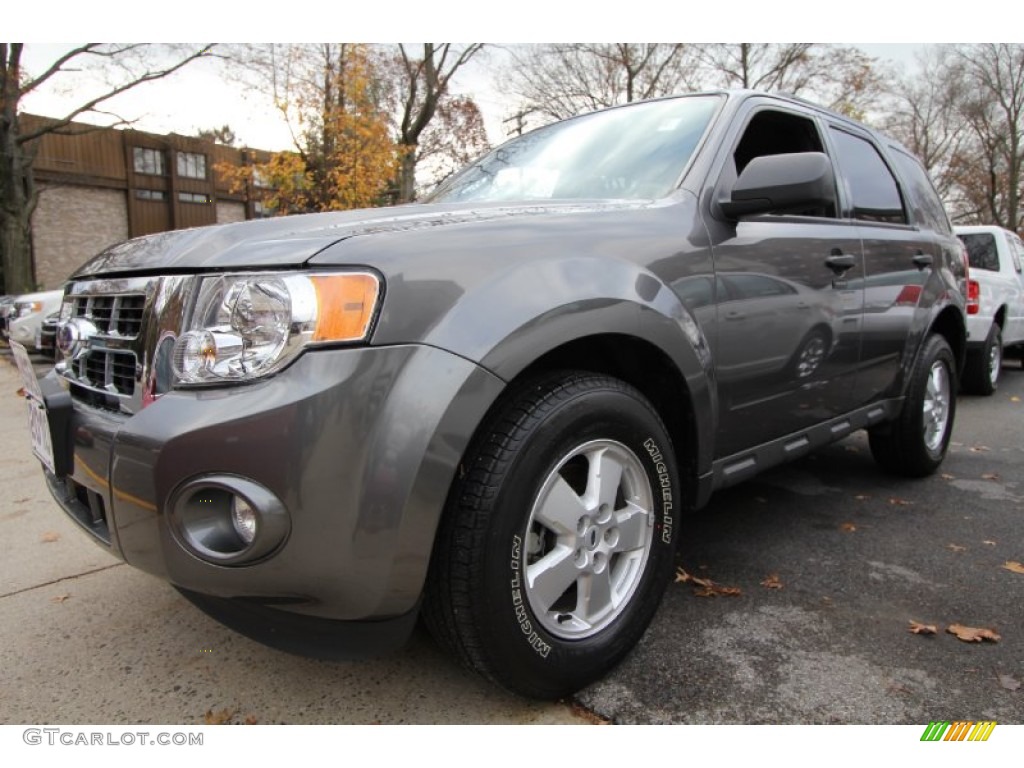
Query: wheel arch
point(648, 368)
point(950, 325)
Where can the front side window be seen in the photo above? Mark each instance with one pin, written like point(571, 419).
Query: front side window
point(191, 165)
point(776, 132)
point(146, 160)
point(193, 197)
point(871, 187)
point(634, 152)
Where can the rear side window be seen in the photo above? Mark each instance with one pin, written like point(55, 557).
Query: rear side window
point(921, 195)
point(872, 188)
point(981, 250)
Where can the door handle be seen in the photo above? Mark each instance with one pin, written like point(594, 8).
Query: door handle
point(922, 260)
point(839, 262)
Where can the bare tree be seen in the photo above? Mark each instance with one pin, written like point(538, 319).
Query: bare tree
point(127, 66)
point(925, 114)
point(993, 108)
point(423, 84)
point(841, 78)
point(561, 80)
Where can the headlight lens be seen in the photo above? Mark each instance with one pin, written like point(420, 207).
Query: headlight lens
point(246, 326)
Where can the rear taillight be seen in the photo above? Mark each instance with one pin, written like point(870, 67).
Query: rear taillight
point(973, 297)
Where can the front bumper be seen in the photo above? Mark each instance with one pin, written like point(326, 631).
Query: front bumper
point(360, 446)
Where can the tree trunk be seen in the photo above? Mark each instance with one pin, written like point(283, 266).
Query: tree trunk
point(16, 243)
point(407, 175)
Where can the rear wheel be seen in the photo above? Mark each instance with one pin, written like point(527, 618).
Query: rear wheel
point(557, 541)
point(916, 443)
point(981, 374)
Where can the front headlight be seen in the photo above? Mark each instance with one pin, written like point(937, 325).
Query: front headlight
point(26, 308)
point(242, 327)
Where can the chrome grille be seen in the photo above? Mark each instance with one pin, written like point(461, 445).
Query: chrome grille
point(112, 315)
point(113, 368)
point(108, 370)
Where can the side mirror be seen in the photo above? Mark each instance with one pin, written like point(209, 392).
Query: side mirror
point(781, 184)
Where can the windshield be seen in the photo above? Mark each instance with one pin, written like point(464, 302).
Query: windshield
point(637, 151)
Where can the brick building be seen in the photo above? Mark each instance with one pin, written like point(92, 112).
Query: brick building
point(101, 186)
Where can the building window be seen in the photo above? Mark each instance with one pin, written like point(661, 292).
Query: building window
point(191, 165)
point(193, 197)
point(262, 211)
point(150, 194)
point(148, 160)
point(260, 178)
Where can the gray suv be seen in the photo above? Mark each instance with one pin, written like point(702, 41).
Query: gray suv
point(490, 410)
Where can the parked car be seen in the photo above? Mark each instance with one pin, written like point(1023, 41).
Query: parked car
point(995, 316)
point(6, 307)
point(492, 408)
point(28, 313)
point(46, 336)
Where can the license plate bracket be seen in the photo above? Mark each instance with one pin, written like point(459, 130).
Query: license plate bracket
point(49, 417)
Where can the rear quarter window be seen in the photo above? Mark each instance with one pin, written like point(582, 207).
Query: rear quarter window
point(922, 199)
point(981, 250)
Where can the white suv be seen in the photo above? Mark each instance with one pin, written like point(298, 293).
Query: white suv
point(995, 319)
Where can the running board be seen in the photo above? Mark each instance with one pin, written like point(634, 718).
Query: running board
point(744, 465)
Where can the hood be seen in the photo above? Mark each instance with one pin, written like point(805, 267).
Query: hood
point(290, 241)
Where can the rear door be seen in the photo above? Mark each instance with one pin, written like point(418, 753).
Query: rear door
point(900, 253)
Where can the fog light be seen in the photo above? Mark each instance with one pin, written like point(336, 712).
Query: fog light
point(243, 517)
point(228, 520)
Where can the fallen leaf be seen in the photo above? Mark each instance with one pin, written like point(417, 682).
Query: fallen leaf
point(861, 496)
point(218, 718)
point(972, 634)
point(20, 392)
point(947, 476)
point(1013, 566)
point(989, 542)
point(900, 502)
point(852, 448)
point(979, 448)
point(251, 720)
point(922, 629)
point(760, 500)
point(1014, 399)
point(848, 527)
point(956, 548)
point(49, 537)
point(1009, 683)
point(705, 587)
point(715, 590)
point(59, 598)
point(771, 581)
point(990, 476)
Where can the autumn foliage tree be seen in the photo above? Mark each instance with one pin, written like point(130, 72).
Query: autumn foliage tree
point(345, 155)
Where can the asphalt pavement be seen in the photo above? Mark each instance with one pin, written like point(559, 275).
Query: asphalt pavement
point(829, 558)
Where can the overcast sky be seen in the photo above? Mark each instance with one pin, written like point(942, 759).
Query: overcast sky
point(200, 97)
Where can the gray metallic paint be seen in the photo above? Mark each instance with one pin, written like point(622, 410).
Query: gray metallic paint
point(473, 296)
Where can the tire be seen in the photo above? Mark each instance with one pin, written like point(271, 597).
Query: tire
point(915, 444)
point(981, 373)
point(545, 575)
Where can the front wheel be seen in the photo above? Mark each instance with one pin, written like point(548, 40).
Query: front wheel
point(916, 443)
point(557, 542)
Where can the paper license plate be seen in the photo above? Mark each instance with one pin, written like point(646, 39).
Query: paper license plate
point(38, 425)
